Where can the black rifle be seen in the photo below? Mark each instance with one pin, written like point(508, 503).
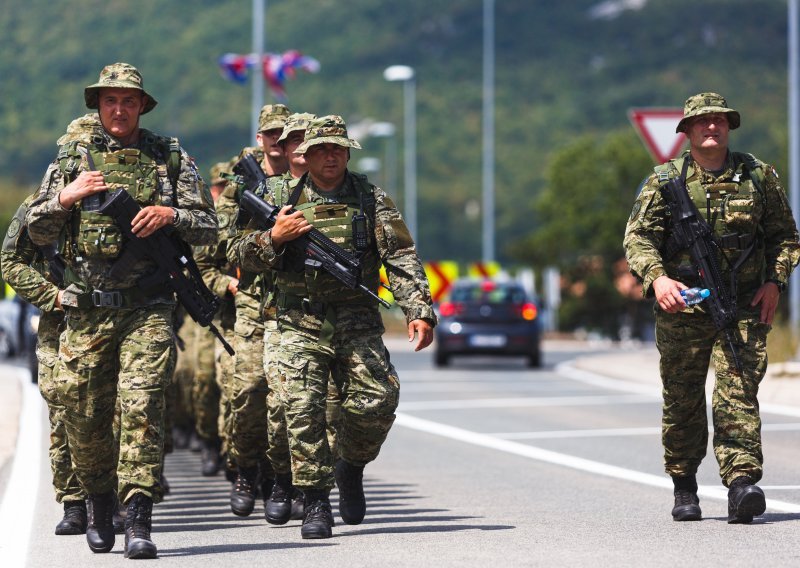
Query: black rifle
point(319, 251)
point(55, 263)
point(691, 231)
point(172, 256)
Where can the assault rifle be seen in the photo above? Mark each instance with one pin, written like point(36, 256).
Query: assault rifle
point(319, 251)
point(691, 231)
point(55, 262)
point(173, 257)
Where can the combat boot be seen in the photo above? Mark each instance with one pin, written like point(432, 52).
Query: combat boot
point(243, 494)
point(100, 525)
point(74, 521)
point(352, 504)
point(318, 520)
point(298, 505)
point(209, 459)
point(119, 516)
point(278, 507)
point(687, 504)
point(745, 501)
point(138, 523)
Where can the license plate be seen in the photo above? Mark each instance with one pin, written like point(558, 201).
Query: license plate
point(488, 340)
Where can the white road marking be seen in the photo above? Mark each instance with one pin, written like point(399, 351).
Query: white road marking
point(523, 402)
point(613, 432)
point(16, 512)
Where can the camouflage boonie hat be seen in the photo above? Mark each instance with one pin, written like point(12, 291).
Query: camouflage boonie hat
point(273, 116)
point(329, 129)
point(82, 129)
point(297, 121)
point(120, 76)
point(707, 103)
point(216, 172)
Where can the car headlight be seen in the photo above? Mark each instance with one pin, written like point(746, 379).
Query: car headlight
point(455, 327)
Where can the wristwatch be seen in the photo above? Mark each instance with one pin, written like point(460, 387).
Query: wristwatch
point(174, 216)
point(781, 286)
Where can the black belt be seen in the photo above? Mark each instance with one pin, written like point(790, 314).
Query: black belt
point(119, 299)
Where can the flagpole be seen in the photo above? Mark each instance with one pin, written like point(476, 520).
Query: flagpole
point(259, 9)
point(794, 148)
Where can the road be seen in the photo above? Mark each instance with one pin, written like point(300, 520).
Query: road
point(489, 463)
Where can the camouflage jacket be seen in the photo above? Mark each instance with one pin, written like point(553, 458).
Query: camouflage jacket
point(23, 265)
point(761, 212)
point(196, 218)
point(396, 250)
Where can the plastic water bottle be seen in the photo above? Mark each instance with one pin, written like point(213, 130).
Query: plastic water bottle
point(694, 296)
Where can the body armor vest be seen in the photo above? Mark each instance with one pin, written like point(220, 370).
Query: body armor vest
point(334, 220)
point(734, 207)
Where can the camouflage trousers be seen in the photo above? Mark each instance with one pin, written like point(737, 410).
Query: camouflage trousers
point(248, 392)
point(105, 354)
point(65, 482)
point(225, 364)
point(179, 393)
point(358, 362)
point(687, 343)
point(205, 390)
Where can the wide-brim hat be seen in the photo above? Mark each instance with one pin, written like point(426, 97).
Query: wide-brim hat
point(299, 121)
point(119, 76)
point(329, 129)
point(707, 103)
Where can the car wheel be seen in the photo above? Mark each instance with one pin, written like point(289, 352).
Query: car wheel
point(441, 359)
point(535, 359)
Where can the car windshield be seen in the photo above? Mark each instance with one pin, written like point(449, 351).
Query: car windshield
point(489, 294)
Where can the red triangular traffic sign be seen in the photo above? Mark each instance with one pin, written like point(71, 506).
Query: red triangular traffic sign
point(656, 126)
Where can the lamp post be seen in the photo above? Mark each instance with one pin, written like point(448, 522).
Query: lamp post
point(387, 130)
point(405, 74)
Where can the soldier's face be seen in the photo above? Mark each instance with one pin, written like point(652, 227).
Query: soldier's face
point(327, 164)
point(296, 161)
point(709, 131)
point(119, 111)
point(268, 140)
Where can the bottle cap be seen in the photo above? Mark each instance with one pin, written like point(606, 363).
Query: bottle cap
point(705, 293)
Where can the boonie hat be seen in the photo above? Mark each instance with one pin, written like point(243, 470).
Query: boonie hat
point(121, 76)
point(707, 103)
point(295, 122)
point(216, 173)
point(272, 116)
point(329, 129)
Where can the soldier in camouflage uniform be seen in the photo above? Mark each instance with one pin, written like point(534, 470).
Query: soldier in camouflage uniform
point(249, 440)
point(220, 279)
point(742, 200)
point(118, 337)
point(328, 329)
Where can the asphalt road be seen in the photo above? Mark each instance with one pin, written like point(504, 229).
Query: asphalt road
point(489, 463)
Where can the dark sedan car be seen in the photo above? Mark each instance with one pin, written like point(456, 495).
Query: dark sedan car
point(488, 318)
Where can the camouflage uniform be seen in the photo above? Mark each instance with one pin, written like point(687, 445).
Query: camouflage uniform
point(129, 352)
point(26, 270)
point(328, 330)
point(746, 201)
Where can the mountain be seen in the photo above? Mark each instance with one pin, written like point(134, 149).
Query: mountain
point(564, 70)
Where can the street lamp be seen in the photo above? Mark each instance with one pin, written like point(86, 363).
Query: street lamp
point(387, 130)
point(405, 74)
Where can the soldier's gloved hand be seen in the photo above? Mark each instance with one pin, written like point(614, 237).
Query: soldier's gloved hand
point(86, 184)
point(150, 219)
point(288, 226)
point(423, 331)
point(668, 294)
point(768, 296)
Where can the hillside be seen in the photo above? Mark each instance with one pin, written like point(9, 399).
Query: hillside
point(564, 70)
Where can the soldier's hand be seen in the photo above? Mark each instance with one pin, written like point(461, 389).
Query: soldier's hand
point(288, 226)
point(233, 286)
point(86, 184)
point(768, 296)
point(668, 294)
point(150, 219)
point(423, 331)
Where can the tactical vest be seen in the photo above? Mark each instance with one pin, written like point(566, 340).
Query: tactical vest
point(334, 220)
point(135, 170)
point(734, 209)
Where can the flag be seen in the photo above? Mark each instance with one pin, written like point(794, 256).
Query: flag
point(277, 68)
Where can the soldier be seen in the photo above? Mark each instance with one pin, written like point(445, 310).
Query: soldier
point(742, 200)
point(220, 277)
point(118, 338)
point(328, 329)
point(249, 439)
